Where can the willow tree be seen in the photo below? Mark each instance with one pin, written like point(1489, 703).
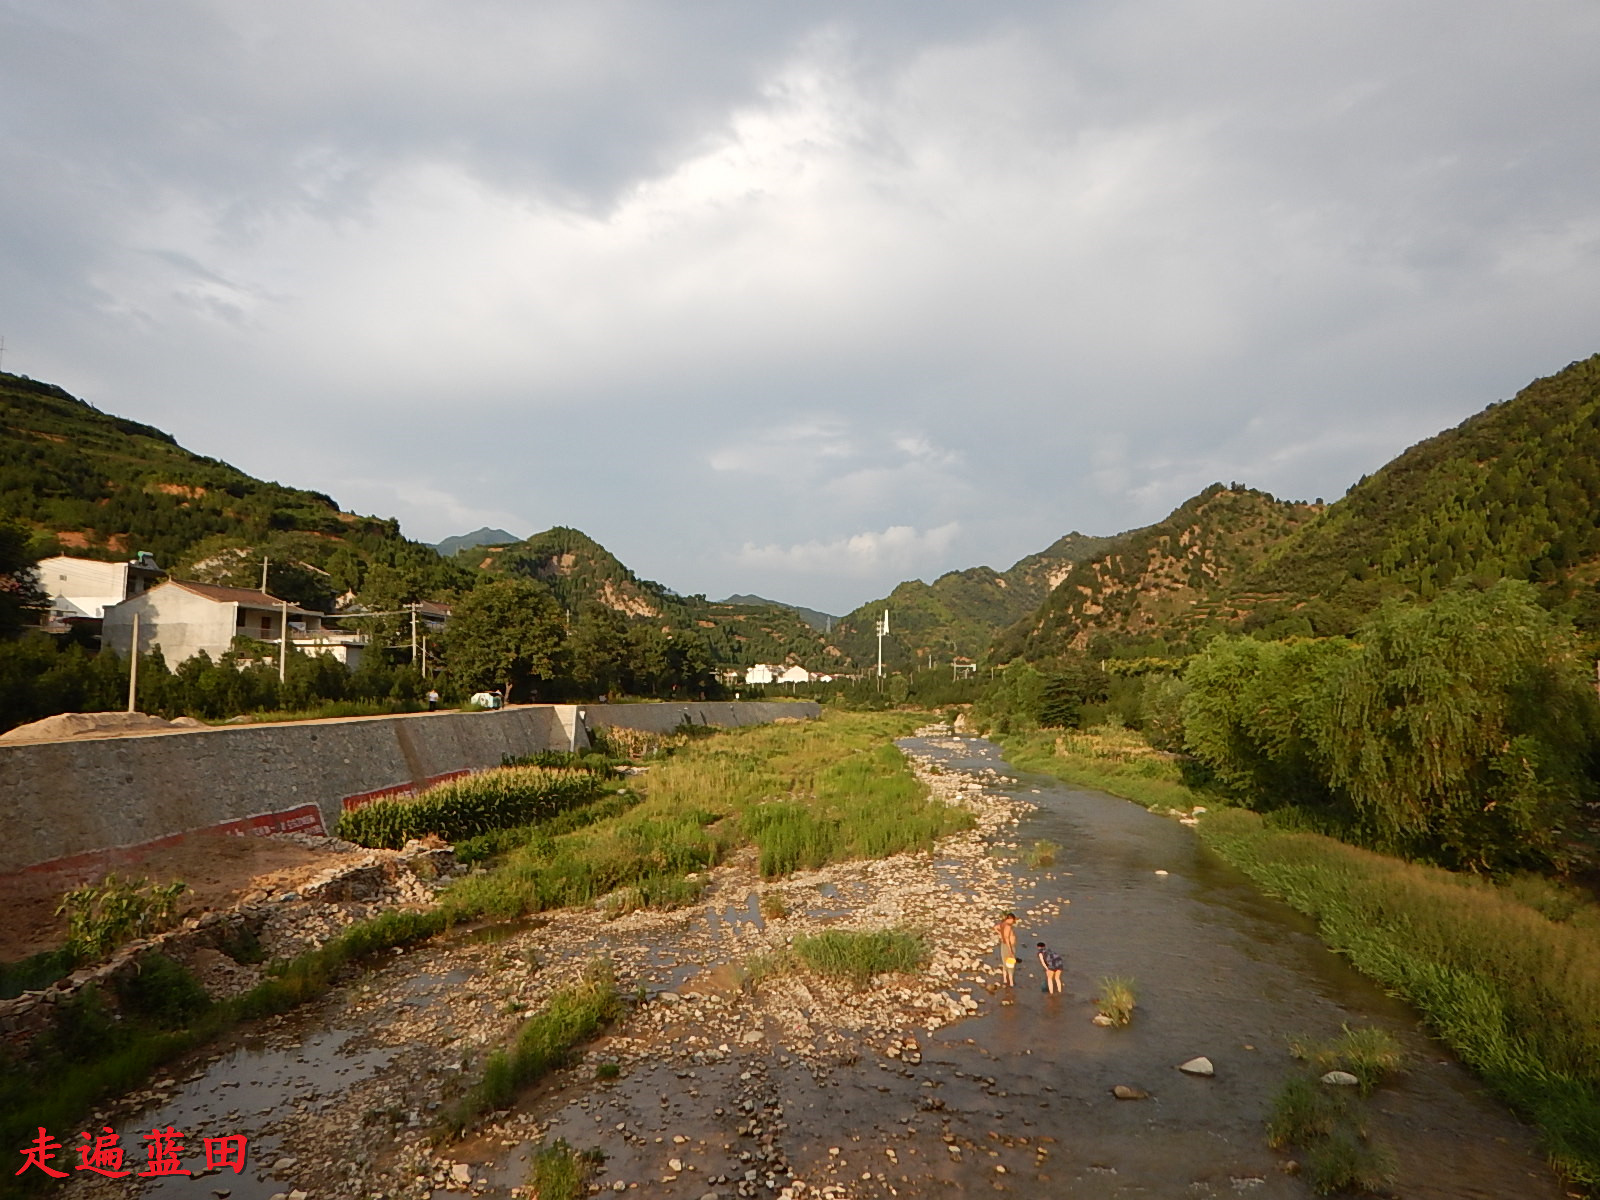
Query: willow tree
point(1463, 731)
point(1252, 712)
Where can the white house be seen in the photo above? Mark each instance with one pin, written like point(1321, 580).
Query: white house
point(83, 588)
point(185, 618)
point(760, 673)
point(795, 674)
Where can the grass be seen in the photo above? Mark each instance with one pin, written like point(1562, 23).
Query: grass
point(1341, 1163)
point(1041, 854)
point(544, 1042)
point(773, 906)
point(1367, 1052)
point(1115, 999)
point(1303, 1112)
point(856, 956)
point(1507, 975)
point(558, 1172)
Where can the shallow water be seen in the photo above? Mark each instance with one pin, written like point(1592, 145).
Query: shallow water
point(1221, 971)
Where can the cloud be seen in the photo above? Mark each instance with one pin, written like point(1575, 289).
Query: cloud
point(901, 548)
point(801, 269)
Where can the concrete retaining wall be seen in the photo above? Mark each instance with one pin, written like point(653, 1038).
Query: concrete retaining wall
point(92, 801)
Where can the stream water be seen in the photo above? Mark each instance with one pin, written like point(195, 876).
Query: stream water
point(1014, 1100)
point(1222, 971)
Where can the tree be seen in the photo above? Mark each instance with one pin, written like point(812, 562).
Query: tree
point(600, 649)
point(1251, 713)
point(19, 579)
point(1463, 731)
point(506, 635)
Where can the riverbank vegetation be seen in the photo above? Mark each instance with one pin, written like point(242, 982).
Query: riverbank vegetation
point(471, 807)
point(545, 1041)
point(1506, 972)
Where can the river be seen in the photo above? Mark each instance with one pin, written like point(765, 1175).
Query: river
point(715, 1098)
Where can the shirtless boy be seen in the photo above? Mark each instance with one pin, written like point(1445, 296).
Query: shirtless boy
point(1007, 929)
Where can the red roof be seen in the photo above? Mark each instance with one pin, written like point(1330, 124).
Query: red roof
point(244, 597)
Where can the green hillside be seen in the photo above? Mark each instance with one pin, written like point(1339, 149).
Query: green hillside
point(99, 486)
point(1155, 584)
point(583, 573)
point(1512, 492)
point(959, 613)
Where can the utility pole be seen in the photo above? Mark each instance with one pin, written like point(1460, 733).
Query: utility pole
point(133, 665)
point(264, 572)
point(883, 628)
point(283, 646)
point(413, 608)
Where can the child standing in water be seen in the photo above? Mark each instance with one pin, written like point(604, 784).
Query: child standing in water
point(1007, 929)
point(1052, 964)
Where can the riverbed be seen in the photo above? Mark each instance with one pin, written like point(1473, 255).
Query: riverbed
point(947, 1084)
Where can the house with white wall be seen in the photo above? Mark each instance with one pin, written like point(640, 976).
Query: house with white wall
point(185, 618)
point(81, 589)
point(795, 674)
point(760, 673)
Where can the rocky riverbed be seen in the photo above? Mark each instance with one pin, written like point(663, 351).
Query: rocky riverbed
point(721, 1087)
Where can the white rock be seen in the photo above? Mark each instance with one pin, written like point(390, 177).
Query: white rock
point(461, 1173)
point(675, 1163)
point(1102, 1019)
point(1160, 872)
point(1340, 1079)
point(1198, 1066)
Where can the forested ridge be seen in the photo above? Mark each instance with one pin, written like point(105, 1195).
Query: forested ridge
point(959, 612)
point(1513, 492)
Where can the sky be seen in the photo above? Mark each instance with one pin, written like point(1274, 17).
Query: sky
point(798, 299)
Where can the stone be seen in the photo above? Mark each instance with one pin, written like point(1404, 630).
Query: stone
point(1124, 1092)
point(1198, 1066)
point(1160, 872)
point(675, 1163)
point(1340, 1079)
point(461, 1173)
point(619, 1186)
point(751, 1038)
point(1102, 1019)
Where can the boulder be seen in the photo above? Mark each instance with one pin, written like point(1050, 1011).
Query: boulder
point(1340, 1079)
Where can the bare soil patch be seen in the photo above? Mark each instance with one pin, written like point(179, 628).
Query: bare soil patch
point(219, 870)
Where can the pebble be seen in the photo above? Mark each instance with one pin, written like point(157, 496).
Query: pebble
point(1340, 1079)
point(1198, 1066)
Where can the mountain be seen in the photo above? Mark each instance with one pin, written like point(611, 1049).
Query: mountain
point(1161, 580)
point(817, 620)
point(470, 541)
point(1513, 491)
point(580, 571)
point(959, 613)
point(99, 486)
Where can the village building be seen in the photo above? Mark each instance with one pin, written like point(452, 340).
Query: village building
point(81, 589)
point(184, 618)
point(795, 674)
point(760, 673)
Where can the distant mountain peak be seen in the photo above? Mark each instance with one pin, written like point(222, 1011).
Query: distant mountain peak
point(478, 537)
point(817, 620)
